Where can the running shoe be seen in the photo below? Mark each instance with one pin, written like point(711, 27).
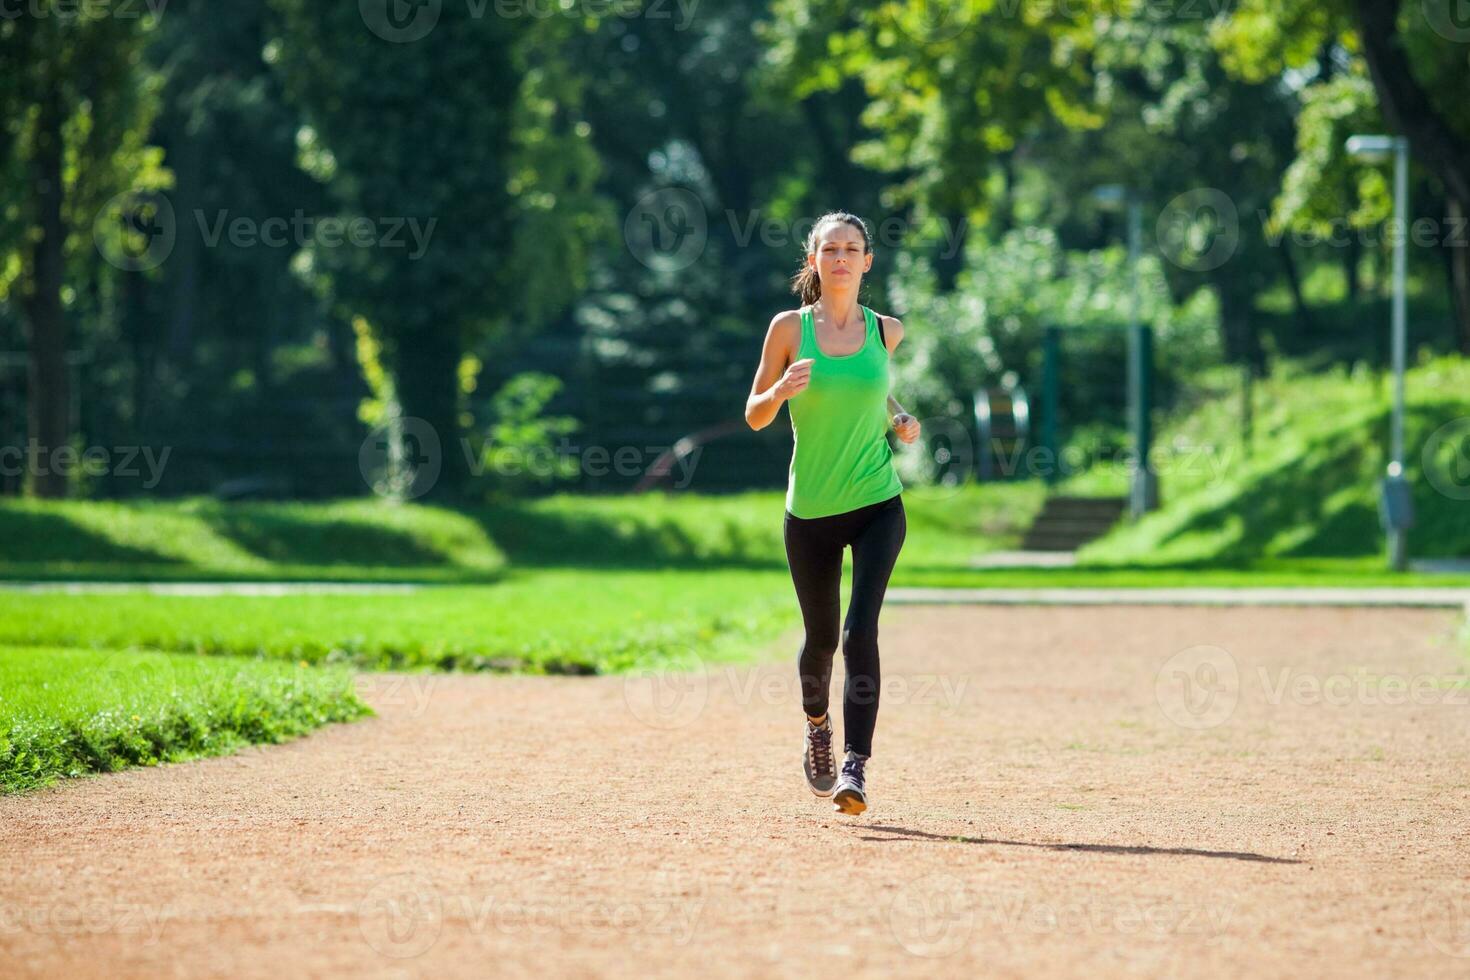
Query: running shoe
point(816, 757)
point(851, 798)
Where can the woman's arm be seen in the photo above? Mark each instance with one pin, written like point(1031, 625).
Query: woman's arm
point(893, 333)
point(775, 379)
point(905, 424)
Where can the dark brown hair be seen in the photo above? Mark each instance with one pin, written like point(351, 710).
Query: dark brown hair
point(806, 283)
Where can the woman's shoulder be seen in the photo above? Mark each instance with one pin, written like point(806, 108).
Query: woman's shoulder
point(892, 328)
point(787, 320)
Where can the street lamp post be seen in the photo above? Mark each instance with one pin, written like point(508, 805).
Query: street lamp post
point(1143, 493)
point(1396, 510)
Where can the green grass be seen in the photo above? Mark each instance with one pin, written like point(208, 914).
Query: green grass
point(575, 584)
point(1307, 491)
point(1282, 573)
point(594, 585)
point(373, 541)
point(204, 539)
point(66, 713)
point(545, 621)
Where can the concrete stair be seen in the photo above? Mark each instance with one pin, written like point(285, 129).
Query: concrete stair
point(1067, 523)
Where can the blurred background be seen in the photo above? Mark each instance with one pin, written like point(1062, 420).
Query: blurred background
point(481, 253)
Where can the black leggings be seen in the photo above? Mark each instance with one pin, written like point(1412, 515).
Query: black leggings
point(814, 551)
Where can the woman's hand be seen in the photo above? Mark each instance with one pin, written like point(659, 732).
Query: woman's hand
point(796, 378)
point(906, 426)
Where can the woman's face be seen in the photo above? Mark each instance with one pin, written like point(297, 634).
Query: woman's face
point(840, 257)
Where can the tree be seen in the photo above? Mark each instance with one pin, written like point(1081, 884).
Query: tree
point(464, 133)
point(76, 110)
point(1415, 56)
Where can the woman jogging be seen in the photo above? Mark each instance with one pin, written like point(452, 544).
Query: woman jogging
point(829, 360)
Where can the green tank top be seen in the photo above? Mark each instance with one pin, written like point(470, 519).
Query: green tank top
point(840, 457)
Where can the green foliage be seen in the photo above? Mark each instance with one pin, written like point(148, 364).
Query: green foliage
point(1322, 190)
point(1309, 486)
point(949, 86)
point(488, 155)
point(90, 60)
point(520, 452)
point(1008, 293)
point(66, 713)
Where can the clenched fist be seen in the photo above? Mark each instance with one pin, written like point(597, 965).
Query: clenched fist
point(794, 381)
point(906, 426)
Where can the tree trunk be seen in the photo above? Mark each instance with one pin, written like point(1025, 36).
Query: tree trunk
point(1304, 319)
point(949, 250)
point(48, 400)
point(427, 376)
point(1352, 257)
point(1457, 255)
point(1406, 107)
point(1238, 337)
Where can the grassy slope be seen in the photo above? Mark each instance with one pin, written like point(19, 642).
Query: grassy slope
point(199, 538)
point(70, 712)
point(1308, 492)
point(595, 583)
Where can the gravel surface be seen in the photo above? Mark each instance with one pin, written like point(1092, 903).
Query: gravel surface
point(1076, 790)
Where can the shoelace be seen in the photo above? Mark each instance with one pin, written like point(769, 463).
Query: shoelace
point(853, 769)
point(819, 743)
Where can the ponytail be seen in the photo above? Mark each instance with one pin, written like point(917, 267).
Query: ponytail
point(806, 285)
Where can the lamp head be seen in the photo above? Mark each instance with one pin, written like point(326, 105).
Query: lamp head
point(1372, 149)
point(1110, 197)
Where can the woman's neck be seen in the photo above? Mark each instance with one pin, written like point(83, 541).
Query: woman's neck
point(837, 307)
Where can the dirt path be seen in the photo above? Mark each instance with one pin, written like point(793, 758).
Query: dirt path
point(1078, 790)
